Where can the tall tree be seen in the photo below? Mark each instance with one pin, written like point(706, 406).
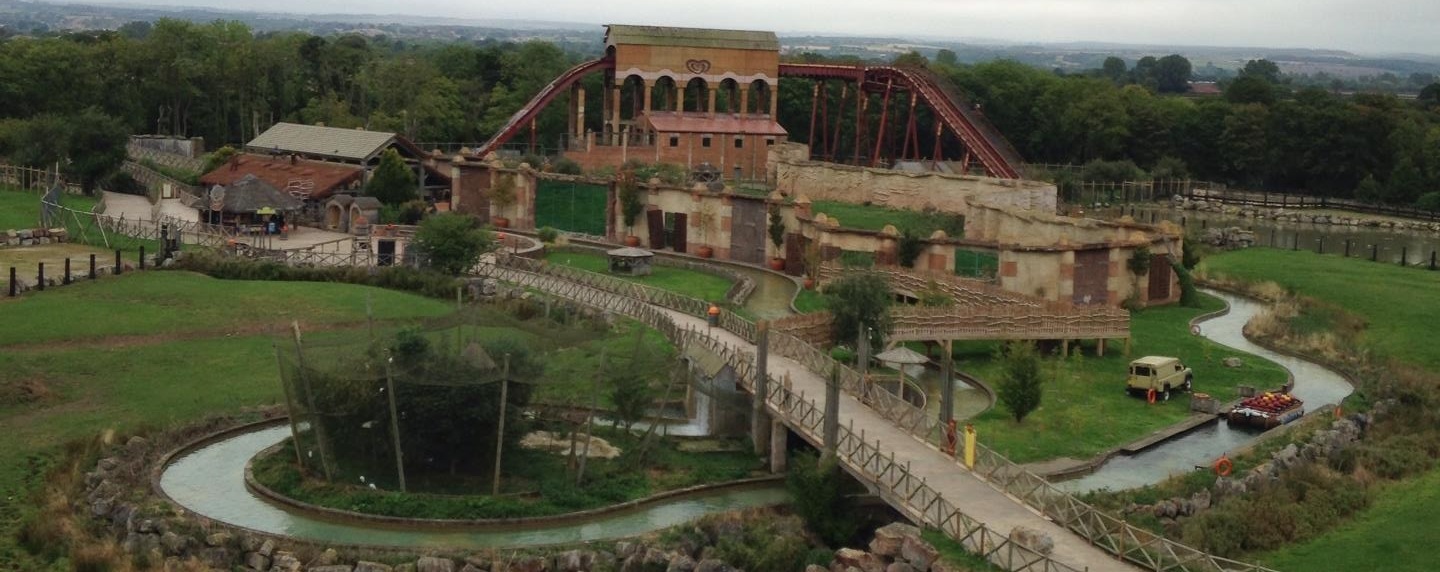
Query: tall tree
point(1261, 69)
point(1115, 69)
point(1172, 74)
point(392, 182)
point(453, 242)
point(1020, 389)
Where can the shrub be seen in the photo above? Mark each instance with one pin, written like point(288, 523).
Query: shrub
point(453, 242)
point(567, 167)
point(1189, 296)
point(842, 354)
point(1098, 171)
point(401, 278)
point(911, 245)
point(392, 182)
point(548, 234)
point(859, 299)
point(121, 182)
point(1020, 383)
point(817, 487)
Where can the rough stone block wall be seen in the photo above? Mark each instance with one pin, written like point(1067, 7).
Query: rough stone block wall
point(950, 193)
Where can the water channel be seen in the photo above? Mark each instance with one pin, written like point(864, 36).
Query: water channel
point(210, 481)
point(1359, 242)
point(1314, 384)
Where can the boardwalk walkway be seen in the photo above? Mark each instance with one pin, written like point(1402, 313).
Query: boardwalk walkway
point(868, 439)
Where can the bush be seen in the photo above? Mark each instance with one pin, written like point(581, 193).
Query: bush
point(1189, 296)
point(911, 245)
point(453, 242)
point(548, 234)
point(1098, 171)
point(859, 299)
point(1309, 501)
point(1020, 383)
point(817, 487)
point(402, 278)
point(567, 167)
point(1429, 201)
point(121, 182)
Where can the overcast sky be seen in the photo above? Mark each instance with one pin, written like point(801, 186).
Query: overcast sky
point(1366, 26)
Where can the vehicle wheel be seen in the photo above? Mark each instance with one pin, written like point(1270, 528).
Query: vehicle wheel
point(1187, 384)
point(1165, 395)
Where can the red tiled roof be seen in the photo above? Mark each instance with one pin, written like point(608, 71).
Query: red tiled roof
point(1204, 88)
point(279, 173)
point(726, 123)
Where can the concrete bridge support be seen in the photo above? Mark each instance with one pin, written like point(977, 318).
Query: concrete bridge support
point(760, 420)
point(779, 449)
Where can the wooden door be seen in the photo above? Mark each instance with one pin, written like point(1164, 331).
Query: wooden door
point(655, 222)
point(677, 233)
point(747, 231)
point(1092, 277)
point(1160, 277)
point(795, 254)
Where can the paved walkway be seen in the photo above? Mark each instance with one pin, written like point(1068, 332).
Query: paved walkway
point(135, 207)
point(955, 483)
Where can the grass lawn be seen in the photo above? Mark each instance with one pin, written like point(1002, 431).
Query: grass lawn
point(874, 217)
point(21, 209)
point(1085, 410)
point(1401, 305)
point(1394, 534)
point(199, 357)
point(810, 301)
point(688, 282)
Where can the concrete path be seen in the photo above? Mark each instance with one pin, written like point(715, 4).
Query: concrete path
point(134, 207)
point(956, 484)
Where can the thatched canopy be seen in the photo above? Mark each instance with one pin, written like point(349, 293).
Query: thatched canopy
point(249, 194)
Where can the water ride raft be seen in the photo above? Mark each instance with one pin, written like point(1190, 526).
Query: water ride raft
point(1266, 411)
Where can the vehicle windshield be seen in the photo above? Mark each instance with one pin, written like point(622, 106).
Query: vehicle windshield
point(1140, 371)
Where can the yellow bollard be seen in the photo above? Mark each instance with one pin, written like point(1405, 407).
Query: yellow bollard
point(970, 446)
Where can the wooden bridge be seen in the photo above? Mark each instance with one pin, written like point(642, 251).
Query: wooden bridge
point(883, 441)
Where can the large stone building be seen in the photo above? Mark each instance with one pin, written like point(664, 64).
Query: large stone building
point(685, 96)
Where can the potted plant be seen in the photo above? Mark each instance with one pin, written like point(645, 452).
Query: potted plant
point(777, 236)
point(502, 195)
point(812, 265)
point(631, 204)
point(705, 217)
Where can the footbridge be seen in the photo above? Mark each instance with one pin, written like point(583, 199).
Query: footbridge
point(874, 437)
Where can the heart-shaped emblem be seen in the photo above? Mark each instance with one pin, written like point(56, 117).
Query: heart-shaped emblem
point(697, 66)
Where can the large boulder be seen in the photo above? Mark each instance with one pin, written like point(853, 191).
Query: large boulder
point(1034, 539)
point(918, 553)
point(574, 560)
point(331, 568)
point(216, 557)
point(434, 564)
point(285, 562)
point(363, 566)
point(712, 565)
point(681, 563)
point(257, 561)
point(530, 564)
point(888, 538)
point(865, 561)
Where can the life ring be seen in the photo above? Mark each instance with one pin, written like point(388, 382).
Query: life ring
point(1223, 466)
point(1195, 329)
point(1150, 396)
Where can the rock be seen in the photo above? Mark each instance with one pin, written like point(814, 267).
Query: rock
point(285, 562)
point(148, 526)
point(1200, 501)
point(100, 508)
point(654, 557)
point(267, 548)
point(218, 539)
point(574, 560)
point(712, 565)
point(257, 561)
point(815, 568)
point(363, 566)
point(174, 543)
point(216, 557)
point(433, 564)
point(861, 559)
point(331, 568)
point(530, 564)
point(1232, 362)
point(604, 561)
point(326, 558)
point(1286, 456)
point(137, 444)
point(888, 538)
point(681, 563)
point(900, 567)
point(107, 464)
point(625, 549)
point(918, 553)
point(1032, 539)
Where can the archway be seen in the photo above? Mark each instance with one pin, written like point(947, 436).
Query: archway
point(727, 98)
point(697, 95)
point(662, 96)
point(759, 100)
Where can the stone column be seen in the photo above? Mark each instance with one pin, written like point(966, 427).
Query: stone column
point(580, 112)
point(744, 100)
point(679, 97)
point(774, 100)
point(779, 456)
point(615, 115)
point(759, 419)
point(711, 105)
point(649, 90)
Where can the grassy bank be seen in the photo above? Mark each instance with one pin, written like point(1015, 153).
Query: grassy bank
point(21, 209)
point(1085, 410)
point(679, 280)
point(875, 217)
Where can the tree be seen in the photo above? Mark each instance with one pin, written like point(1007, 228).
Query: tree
point(1261, 69)
point(817, 486)
point(911, 59)
point(631, 393)
point(1020, 389)
point(1250, 89)
point(946, 57)
point(453, 242)
point(1369, 190)
point(95, 147)
point(1430, 95)
point(860, 299)
point(776, 228)
point(392, 182)
point(1406, 183)
point(910, 247)
point(1114, 69)
point(1172, 74)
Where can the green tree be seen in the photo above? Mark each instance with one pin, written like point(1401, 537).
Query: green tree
point(95, 147)
point(776, 228)
point(1250, 89)
point(392, 182)
point(946, 57)
point(453, 242)
point(1114, 69)
point(1020, 387)
point(1172, 74)
point(1262, 69)
point(1369, 190)
point(817, 486)
point(911, 59)
point(859, 299)
point(1406, 183)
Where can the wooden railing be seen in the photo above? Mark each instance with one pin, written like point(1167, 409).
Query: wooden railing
point(965, 291)
point(29, 179)
point(139, 153)
point(919, 323)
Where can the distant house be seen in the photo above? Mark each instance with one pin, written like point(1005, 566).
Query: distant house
point(1204, 88)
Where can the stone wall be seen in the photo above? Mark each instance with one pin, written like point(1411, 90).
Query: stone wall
point(913, 191)
point(33, 236)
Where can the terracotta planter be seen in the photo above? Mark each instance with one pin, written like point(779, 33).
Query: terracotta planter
point(777, 264)
point(632, 240)
point(809, 283)
point(704, 251)
point(500, 222)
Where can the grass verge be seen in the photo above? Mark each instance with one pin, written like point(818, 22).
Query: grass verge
point(875, 217)
point(679, 280)
point(21, 209)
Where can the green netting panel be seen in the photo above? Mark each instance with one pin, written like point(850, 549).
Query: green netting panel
point(857, 259)
point(573, 207)
point(977, 264)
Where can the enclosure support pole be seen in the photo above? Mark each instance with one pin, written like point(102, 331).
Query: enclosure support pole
point(947, 388)
point(289, 401)
point(500, 433)
point(832, 412)
point(590, 419)
point(310, 402)
point(759, 421)
point(40, 277)
point(92, 266)
point(395, 426)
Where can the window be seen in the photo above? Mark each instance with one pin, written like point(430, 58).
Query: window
point(769, 141)
point(739, 142)
point(674, 140)
point(705, 141)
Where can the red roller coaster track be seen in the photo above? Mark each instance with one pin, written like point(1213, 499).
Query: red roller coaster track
point(953, 112)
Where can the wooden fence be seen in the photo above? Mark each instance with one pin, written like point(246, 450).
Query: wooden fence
point(30, 179)
point(1288, 201)
point(965, 291)
point(141, 153)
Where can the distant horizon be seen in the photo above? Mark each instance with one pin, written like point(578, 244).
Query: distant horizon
point(1141, 36)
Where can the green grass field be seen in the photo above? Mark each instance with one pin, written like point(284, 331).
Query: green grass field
point(874, 217)
point(1401, 307)
point(193, 351)
point(21, 209)
point(808, 301)
point(688, 282)
point(1085, 410)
